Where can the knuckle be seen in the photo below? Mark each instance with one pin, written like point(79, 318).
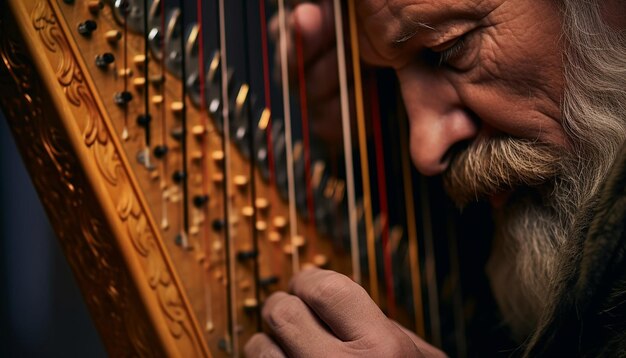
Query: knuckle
point(284, 313)
point(334, 287)
point(255, 345)
point(398, 345)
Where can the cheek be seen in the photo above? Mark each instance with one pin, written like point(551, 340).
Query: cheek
point(517, 85)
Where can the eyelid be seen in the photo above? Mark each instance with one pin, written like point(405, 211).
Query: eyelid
point(452, 51)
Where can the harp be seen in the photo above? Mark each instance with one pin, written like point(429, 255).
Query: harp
point(183, 196)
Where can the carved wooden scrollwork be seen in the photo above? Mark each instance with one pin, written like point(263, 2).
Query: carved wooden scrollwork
point(132, 317)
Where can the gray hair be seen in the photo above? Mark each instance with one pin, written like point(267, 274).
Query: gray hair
point(532, 232)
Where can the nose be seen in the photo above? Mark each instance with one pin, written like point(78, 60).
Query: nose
point(437, 117)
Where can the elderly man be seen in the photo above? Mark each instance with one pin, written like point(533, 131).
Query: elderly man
point(535, 90)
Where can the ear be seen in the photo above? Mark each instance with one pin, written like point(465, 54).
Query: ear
point(614, 12)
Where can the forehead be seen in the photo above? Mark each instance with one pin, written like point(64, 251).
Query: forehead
point(388, 23)
point(417, 8)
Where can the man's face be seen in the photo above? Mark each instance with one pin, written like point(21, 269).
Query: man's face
point(470, 69)
point(483, 84)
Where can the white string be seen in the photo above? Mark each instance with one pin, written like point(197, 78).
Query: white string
point(347, 143)
point(293, 225)
point(226, 131)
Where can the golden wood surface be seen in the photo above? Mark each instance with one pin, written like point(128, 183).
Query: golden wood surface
point(147, 295)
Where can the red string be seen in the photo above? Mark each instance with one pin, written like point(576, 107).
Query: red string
point(382, 193)
point(267, 82)
point(305, 125)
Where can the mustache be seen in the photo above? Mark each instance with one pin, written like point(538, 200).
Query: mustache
point(493, 165)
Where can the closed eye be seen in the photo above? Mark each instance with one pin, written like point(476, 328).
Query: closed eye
point(452, 52)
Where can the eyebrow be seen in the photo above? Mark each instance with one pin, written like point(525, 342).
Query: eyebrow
point(408, 31)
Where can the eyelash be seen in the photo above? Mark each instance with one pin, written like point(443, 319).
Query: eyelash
point(452, 52)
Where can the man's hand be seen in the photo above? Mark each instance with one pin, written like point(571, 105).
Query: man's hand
point(315, 22)
point(327, 314)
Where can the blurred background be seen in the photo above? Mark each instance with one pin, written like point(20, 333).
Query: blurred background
point(42, 313)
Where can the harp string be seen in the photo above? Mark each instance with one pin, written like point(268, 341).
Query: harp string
point(163, 147)
point(414, 257)
point(347, 142)
point(382, 194)
point(293, 224)
point(206, 261)
point(230, 245)
point(253, 166)
point(267, 89)
point(364, 155)
point(146, 119)
point(430, 265)
point(304, 110)
point(125, 133)
point(184, 174)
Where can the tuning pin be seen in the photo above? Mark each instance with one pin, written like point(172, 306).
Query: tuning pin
point(268, 281)
point(125, 72)
point(160, 151)
point(139, 83)
point(177, 133)
point(157, 99)
point(218, 225)
point(198, 131)
point(113, 36)
point(240, 181)
point(104, 60)
point(178, 176)
point(280, 222)
point(247, 211)
point(177, 107)
point(95, 6)
point(274, 236)
point(144, 120)
point(247, 255)
point(320, 261)
point(261, 225)
point(196, 156)
point(262, 204)
point(250, 305)
point(139, 61)
point(217, 155)
point(87, 27)
point(157, 79)
point(200, 200)
point(298, 241)
point(122, 98)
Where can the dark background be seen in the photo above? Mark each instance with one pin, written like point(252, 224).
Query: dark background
point(42, 313)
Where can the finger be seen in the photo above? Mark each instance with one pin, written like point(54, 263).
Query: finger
point(324, 77)
point(295, 327)
point(342, 304)
point(317, 27)
point(260, 345)
point(326, 118)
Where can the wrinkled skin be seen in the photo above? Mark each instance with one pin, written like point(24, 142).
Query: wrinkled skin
point(328, 315)
point(506, 79)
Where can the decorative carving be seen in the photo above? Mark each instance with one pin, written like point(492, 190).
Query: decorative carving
point(101, 265)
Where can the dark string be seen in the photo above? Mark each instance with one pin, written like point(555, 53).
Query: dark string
point(183, 142)
point(147, 80)
point(251, 130)
point(267, 88)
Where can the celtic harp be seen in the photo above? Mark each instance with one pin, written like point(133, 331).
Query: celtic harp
point(178, 166)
